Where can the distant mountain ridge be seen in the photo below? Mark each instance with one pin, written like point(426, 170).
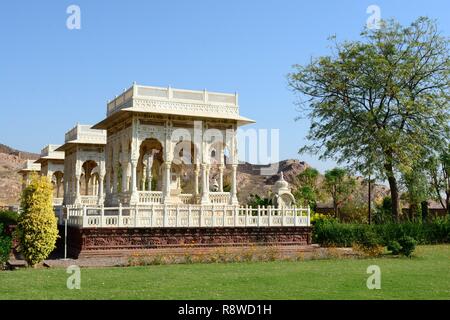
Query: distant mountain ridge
point(21, 154)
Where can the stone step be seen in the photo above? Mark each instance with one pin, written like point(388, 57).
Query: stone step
point(282, 250)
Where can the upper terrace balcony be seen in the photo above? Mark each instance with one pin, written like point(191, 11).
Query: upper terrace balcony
point(50, 153)
point(178, 102)
point(84, 134)
point(30, 166)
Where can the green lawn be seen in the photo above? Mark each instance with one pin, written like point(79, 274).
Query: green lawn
point(425, 276)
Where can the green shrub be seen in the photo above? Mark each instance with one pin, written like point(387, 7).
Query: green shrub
point(8, 218)
point(394, 247)
point(369, 239)
point(333, 233)
point(408, 245)
point(5, 247)
point(394, 231)
point(367, 242)
point(336, 234)
point(430, 232)
point(437, 231)
point(37, 229)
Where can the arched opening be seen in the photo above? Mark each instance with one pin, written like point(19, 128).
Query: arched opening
point(220, 179)
point(57, 181)
point(94, 184)
point(88, 178)
point(149, 173)
point(184, 165)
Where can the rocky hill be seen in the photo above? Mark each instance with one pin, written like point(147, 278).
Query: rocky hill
point(259, 179)
point(22, 155)
point(11, 161)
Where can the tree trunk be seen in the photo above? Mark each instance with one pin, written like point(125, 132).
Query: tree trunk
point(370, 202)
point(394, 190)
point(424, 206)
point(335, 203)
point(412, 211)
point(448, 203)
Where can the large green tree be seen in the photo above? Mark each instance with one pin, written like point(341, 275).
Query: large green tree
point(309, 188)
point(378, 104)
point(340, 185)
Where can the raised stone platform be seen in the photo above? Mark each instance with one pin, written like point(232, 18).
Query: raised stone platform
point(92, 241)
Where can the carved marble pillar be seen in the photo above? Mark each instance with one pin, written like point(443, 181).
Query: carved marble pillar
point(143, 180)
point(221, 169)
point(100, 190)
point(129, 186)
point(234, 166)
point(77, 189)
point(196, 176)
point(148, 170)
point(233, 195)
point(134, 191)
point(205, 184)
point(166, 193)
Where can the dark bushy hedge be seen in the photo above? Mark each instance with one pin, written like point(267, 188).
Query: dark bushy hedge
point(5, 247)
point(8, 218)
point(333, 233)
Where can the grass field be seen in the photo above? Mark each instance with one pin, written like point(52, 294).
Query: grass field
point(425, 276)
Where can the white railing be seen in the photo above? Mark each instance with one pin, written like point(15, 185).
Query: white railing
point(150, 197)
point(89, 200)
point(156, 197)
point(218, 101)
point(186, 198)
point(219, 197)
point(58, 201)
point(186, 216)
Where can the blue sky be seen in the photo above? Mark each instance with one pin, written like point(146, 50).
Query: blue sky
point(52, 77)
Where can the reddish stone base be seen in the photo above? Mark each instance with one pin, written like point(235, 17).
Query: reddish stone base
point(87, 241)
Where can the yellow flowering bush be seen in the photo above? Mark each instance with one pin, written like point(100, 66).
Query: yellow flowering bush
point(37, 229)
point(318, 217)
